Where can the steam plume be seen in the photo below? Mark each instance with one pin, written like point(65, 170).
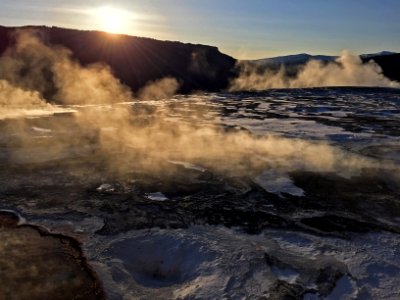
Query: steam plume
point(347, 70)
point(16, 102)
point(159, 89)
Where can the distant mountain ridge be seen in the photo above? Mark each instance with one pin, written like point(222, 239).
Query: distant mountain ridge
point(303, 58)
point(294, 59)
point(382, 53)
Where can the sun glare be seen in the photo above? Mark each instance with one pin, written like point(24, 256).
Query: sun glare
point(112, 20)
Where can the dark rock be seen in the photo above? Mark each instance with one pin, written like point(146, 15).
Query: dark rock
point(326, 279)
point(286, 291)
point(333, 223)
point(8, 219)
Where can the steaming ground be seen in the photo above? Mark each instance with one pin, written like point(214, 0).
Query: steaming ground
point(277, 194)
point(33, 71)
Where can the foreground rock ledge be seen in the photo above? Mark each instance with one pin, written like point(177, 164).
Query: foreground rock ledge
point(38, 265)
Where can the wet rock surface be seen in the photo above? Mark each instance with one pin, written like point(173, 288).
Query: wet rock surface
point(332, 205)
point(175, 222)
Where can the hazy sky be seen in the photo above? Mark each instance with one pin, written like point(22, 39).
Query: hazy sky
point(241, 28)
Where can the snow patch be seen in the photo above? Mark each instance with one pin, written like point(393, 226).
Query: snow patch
point(187, 165)
point(158, 196)
point(278, 183)
point(288, 275)
point(106, 188)
point(42, 130)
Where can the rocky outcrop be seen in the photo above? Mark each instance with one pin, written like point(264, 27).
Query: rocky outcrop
point(37, 265)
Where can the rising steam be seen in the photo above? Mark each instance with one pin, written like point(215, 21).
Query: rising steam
point(159, 89)
point(347, 70)
point(16, 102)
point(129, 138)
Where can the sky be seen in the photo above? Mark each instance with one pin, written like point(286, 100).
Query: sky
point(244, 29)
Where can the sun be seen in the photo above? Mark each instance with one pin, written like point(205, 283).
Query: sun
point(112, 20)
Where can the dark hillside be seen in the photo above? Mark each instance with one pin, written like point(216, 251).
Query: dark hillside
point(136, 61)
point(390, 65)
